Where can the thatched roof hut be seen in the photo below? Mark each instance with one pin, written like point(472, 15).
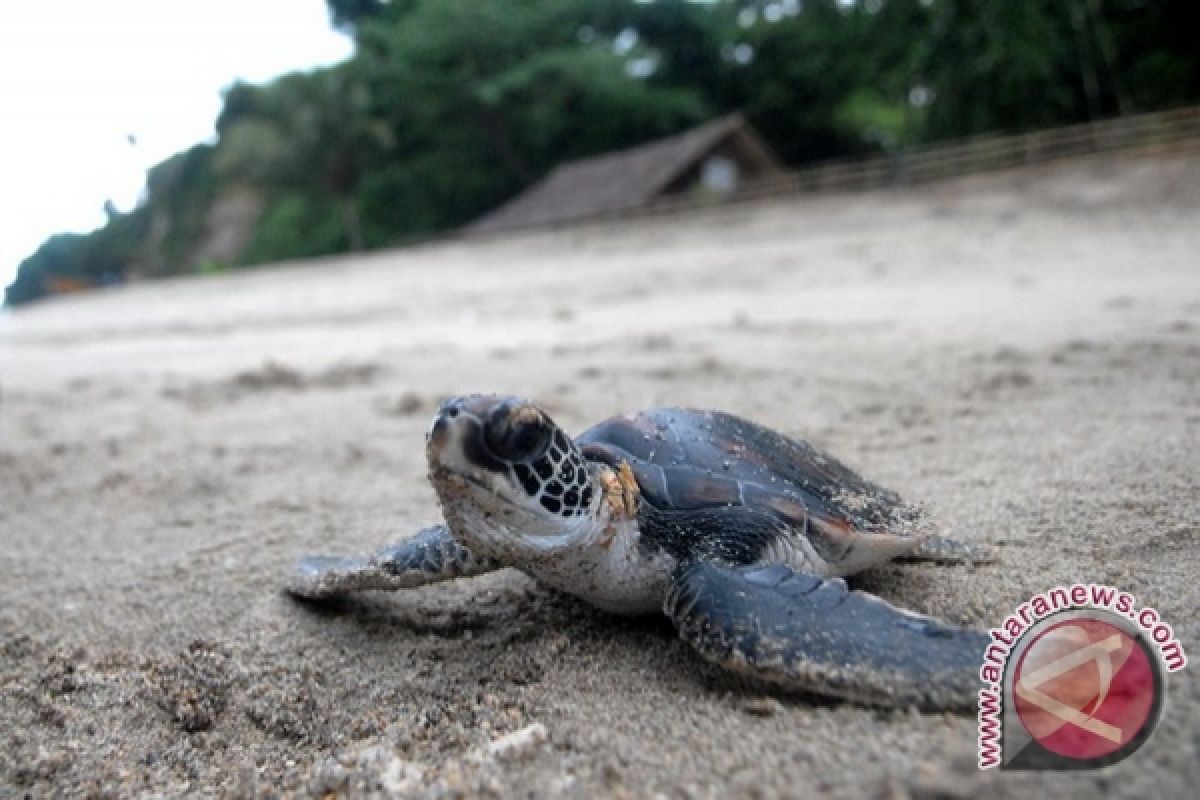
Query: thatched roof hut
point(715, 158)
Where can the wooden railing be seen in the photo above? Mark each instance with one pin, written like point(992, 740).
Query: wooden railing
point(1162, 131)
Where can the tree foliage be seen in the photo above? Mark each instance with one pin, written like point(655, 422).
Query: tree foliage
point(450, 106)
point(307, 134)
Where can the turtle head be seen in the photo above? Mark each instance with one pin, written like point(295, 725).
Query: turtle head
point(508, 478)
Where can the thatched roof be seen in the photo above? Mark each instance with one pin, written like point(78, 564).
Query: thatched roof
point(626, 179)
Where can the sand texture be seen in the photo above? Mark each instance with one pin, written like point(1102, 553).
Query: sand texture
point(1021, 352)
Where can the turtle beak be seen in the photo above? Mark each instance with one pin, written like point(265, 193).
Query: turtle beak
point(439, 431)
point(455, 438)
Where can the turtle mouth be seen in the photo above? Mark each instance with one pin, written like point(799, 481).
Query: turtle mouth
point(490, 519)
point(440, 474)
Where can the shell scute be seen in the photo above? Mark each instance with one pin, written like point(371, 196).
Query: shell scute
point(689, 460)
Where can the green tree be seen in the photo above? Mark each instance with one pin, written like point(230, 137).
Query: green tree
point(486, 97)
point(99, 258)
point(306, 132)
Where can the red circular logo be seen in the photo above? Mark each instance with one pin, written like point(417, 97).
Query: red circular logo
point(1084, 688)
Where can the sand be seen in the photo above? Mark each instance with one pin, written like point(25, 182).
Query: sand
point(1019, 351)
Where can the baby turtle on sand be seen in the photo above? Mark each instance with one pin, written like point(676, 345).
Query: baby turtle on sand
point(739, 534)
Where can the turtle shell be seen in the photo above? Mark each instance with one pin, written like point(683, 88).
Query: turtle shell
point(724, 473)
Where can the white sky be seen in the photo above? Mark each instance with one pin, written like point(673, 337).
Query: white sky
point(78, 77)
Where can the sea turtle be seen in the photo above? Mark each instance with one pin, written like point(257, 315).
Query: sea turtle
point(737, 533)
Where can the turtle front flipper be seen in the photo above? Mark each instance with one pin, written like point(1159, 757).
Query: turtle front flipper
point(803, 633)
point(428, 557)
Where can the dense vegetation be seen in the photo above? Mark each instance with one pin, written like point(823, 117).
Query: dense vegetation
point(450, 106)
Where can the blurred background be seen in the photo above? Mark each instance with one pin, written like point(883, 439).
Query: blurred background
point(145, 139)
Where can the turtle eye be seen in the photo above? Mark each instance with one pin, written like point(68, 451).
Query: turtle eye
point(517, 435)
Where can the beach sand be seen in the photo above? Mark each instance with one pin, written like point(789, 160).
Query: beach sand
point(1021, 352)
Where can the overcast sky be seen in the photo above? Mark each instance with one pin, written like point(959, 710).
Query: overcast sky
point(79, 78)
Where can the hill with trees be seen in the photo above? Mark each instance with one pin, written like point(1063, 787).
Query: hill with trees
point(449, 107)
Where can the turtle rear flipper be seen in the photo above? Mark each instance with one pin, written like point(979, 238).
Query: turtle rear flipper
point(944, 550)
point(428, 557)
point(804, 633)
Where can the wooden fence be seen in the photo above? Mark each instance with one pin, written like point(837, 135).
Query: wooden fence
point(1162, 131)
